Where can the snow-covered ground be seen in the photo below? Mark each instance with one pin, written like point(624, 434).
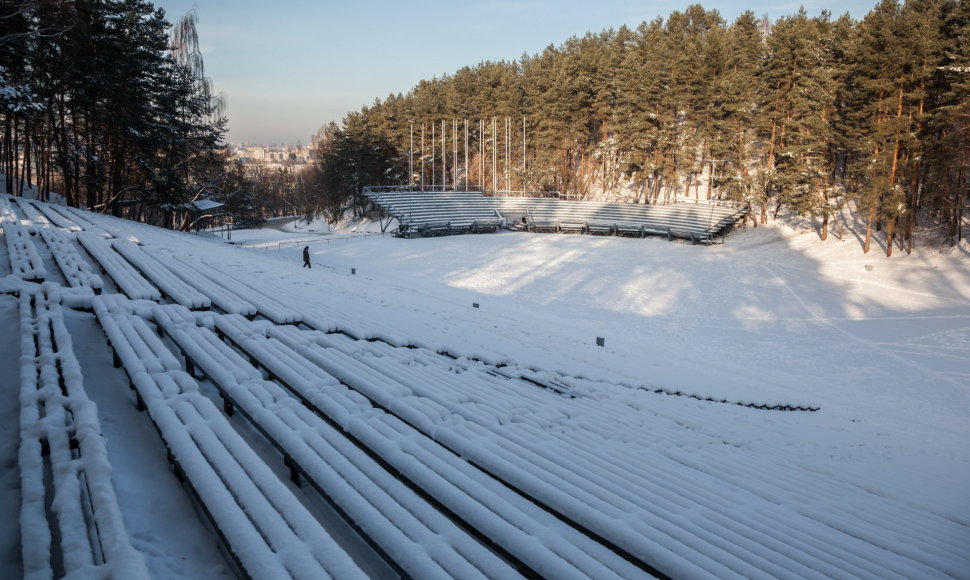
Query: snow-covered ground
point(881, 346)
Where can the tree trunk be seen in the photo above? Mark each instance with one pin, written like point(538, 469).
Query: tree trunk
point(869, 219)
point(890, 236)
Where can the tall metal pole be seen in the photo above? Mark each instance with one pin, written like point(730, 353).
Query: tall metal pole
point(422, 156)
point(481, 153)
point(494, 157)
point(444, 155)
point(508, 153)
point(466, 154)
point(411, 158)
point(454, 153)
point(523, 153)
point(433, 176)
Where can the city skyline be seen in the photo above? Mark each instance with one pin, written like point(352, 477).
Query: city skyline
point(290, 67)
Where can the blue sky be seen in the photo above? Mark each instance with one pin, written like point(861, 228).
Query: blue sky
point(287, 67)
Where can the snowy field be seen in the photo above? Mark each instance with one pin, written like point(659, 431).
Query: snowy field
point(651, 454)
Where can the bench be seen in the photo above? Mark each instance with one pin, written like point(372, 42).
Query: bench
point(25, 260)
point(541, 224)
point(601, 228)
point(57, 218)
point(76, 269)
point(514, 523)
point(264, 527)
point(212, 287)
point(570, 226)
point(394, 518)
point(71, 523)
point(118, 269)
point(171, 285)
point(486, 225)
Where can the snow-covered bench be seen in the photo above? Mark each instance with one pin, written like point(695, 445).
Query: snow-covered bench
point(171, 285)
point(230, 293)
point(515, 525)
point(661, 503)
point(25, 261)
point(212, 286)
point(82, 219)
point(601, 228)
point(57, 218)
point(541, 224)
point(576, 226)
point(76, 269)
point(31, 213)
point(400, 522)
point(6, 210)
point(486, 225)
point(265, 528)
point(70, 519)
point(118, 269)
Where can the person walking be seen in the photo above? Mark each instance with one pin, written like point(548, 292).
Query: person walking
point(306, 257)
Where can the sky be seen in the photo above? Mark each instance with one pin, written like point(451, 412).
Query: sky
point(288, 67)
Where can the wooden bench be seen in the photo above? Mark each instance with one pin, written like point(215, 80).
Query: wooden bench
point(396, 520)
point(512, 522)
point(601, 228)
point(264, 527)
point(57, 218)
point(25, 260)
point(124, 275)
point(76, 269)
point(487, 225)
point(171, 285)
point(71, 523)
point(572, 226)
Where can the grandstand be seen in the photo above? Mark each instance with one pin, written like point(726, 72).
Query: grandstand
point(434, 213)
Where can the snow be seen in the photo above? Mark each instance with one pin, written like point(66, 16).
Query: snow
point(622, 448)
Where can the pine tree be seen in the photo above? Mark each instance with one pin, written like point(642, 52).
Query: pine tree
point(802, 75)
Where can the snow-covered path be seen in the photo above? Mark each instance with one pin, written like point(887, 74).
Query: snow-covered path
point(871, 485)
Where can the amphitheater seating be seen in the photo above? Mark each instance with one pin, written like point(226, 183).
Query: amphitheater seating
point(437, 213)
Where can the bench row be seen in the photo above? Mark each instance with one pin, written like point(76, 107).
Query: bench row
point(71, 523)
point(399, 519)
point(265, 528)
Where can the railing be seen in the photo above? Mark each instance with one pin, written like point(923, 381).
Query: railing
point(301, 242)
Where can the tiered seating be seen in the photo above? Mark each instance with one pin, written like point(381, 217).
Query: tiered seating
point(686, 221)
point(266, 529)
point(514, 525)
point(663, 495)
point(70, 519)
point(402, 522)
point(440, 213)
point(424, 213)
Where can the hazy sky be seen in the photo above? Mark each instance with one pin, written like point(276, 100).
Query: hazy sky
point(287, 67)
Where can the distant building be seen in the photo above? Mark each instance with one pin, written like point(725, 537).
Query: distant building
point(293, 157)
